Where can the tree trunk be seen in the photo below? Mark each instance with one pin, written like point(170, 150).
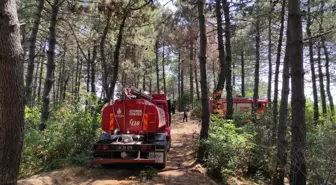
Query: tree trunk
point(322, 91)
point(323, 94)
point(35, 81)
point(228, 60)
point(214, 74)
point(144, 80)
point(32, 46)
point(256, 68)
point(204, 134)
point(62, 67)
point(93, 71)
point(40, 81)
point(281, 156)
point(312, 66)
point(196, 78)
point(269, 87)
point(163, 70)
point(182, 87)
point(179, 79)
point(88, 71)
point(242, 73)
point(78, 82)
point(116, 55)
point(331, 101)
point(11, 93)
point(191, 74)
point(50, 63)
point(298, 173)
point(277, 68)
point(102, 53)
point(157, 65)
point(221, 76)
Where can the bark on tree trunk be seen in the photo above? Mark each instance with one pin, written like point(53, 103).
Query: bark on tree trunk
point(157, 65)
point(40, 81)
point(228, 60)
point(88, 71)
point(204, 134)
point(277, 68)
point(11, 93)
point(196, 78)
point(179, 79)
point(116, 55)
point(279, 176)
point(93, 70)
point(256, 69)
point(269, 88)
point(242, 73)
point(298, 173)
point(35, 81)
point(182, 87)
point(50, 64)
point(221, 76)
point(312, 66)
point(32, 46)
point(191, 74)
point(322, 91)
point(331, 101)
point(102, 53)
point(163, 70)
point(214, 73)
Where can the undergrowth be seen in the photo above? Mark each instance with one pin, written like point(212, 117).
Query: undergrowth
point(68, 139)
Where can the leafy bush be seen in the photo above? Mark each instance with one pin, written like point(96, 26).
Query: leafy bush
point(68, 139)
point(228, 148)
point(321, 153)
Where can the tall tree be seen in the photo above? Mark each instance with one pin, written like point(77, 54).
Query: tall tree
point(228, 60)
point(298, 172)
point(281, 156)
point(11, 93)
point(163, 70)
point(191, 78)
point(204, 134)
point(311, 61)
point(321, 80)
point(50, 63)
point(32, 46)
point(277, 69)
point(242, 73)
point(269, 88)
point(157, 65)
point(257, 63)
point(221, 52)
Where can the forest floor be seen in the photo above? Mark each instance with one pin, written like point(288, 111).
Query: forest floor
point(181, 166)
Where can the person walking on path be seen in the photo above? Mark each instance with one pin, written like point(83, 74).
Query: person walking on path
point(185, 116)
point(173, 109)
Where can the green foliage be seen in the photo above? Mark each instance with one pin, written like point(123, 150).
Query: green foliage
point(228, 148)
point(68, 139)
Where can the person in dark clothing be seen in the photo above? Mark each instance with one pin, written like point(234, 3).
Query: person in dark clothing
point(185, 116)
point(173, 109)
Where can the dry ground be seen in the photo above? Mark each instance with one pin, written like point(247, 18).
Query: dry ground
point(181, 167)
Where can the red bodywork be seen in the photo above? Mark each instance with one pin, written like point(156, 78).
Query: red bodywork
point(241, 104)
point(137, 115)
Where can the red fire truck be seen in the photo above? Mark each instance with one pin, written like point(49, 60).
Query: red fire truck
point(136, 130)
point(240, 104)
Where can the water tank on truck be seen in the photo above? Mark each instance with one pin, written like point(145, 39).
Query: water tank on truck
point(136, 130)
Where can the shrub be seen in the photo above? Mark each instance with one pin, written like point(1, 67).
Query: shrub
point(69, 137)
point(228, 148)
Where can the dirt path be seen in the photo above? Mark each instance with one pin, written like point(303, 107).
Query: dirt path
point(181, 167)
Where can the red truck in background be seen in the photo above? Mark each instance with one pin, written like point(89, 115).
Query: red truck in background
point(136, 130)
point(241, 104)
